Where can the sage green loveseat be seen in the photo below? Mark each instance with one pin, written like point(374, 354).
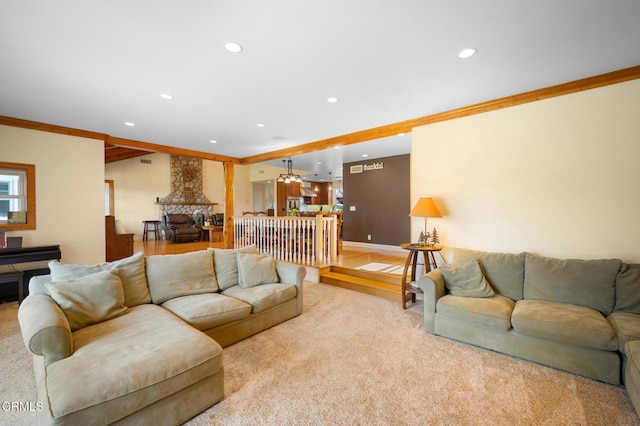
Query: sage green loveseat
point(139, 340)
point(574, 315)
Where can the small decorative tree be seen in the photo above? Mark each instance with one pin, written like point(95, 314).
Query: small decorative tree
point(435, 239)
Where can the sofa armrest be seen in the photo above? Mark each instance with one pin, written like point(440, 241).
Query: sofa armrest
point(290, 273)
point(433, 287)
point(45, 328)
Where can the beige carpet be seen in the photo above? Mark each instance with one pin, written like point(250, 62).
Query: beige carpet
point(352, 358)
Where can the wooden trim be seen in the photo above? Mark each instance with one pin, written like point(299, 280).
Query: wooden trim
point(614, 77)
point(406, 126)
point(153, 147)
point(52, 128)
point(112, 198)
point(227, 233)
point(30, 170)
point(183, 203)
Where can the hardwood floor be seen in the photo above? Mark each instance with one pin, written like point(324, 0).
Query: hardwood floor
point(343, 273)
point(349, 257)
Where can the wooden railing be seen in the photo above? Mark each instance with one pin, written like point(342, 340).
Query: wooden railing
point(305, 240)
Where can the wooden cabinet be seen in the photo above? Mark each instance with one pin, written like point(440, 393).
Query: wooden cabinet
point(292, 189)
point(118, 246)
point(284, 190)
point(324, 195)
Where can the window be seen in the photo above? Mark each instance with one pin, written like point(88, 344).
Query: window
point(17, 196)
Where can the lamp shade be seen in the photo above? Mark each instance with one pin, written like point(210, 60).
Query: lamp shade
point(425, 207)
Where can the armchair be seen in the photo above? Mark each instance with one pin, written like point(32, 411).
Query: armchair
point(180, 228)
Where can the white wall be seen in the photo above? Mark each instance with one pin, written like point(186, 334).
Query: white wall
point(242, 190)
point(69, 191)
point(558, 177)
point(136, 187)
point(213, 183)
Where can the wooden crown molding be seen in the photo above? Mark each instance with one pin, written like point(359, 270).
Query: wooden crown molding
point(614, 77)
point(51, 128)
point(406, 126)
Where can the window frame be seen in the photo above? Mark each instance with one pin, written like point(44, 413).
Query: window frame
point(30, 185)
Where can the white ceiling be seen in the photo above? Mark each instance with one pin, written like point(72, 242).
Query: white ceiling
point(94, 65)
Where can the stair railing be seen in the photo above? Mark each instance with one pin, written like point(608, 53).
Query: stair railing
point(304, 240)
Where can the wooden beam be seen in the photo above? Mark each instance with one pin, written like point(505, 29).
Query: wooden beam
point(227, 233)
point(152, 147)
point(614, 77)
point(119, 153)
point(406, 126)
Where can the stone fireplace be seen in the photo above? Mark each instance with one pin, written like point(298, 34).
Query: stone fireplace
point(186, 194)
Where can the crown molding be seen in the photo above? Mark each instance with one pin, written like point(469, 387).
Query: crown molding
point(606, 79)
point(406, 126)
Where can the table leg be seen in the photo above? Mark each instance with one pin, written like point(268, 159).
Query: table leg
point(404, 280)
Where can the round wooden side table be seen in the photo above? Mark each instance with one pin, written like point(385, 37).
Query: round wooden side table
point(409, 286)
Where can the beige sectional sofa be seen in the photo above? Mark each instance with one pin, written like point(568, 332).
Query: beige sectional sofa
point(139, 340)
point(581, 316)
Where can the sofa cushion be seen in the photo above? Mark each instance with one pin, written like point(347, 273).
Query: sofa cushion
point(466, 279)
point(589, 283)
point(264, 296)
point(628, 289)
point(175, 275)
point(91, 299)
point(626, 325)
point(124, 364)
point(564, 323)
point(256, 269)
point(204, 311)
point(489, 312)
point(226, 264)
point(632, 372)
point(130, 269)
point(504, 271)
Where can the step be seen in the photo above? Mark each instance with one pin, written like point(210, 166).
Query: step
point(363, 284)
point(372, 275)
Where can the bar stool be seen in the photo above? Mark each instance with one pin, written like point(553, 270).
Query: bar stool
point(152, 226)
point(12, 277)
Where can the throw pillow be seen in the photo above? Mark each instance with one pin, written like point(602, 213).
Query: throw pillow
point(466, 279)
point(131, 271)
point(90, 299)
point(256, 269)
point(226, 265)
point(175, 275)
point(627, 289)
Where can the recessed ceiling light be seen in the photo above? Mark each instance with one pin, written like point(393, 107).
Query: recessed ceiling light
point(365, 155)
point(233, 47)
point(166, 96)
point(319, 163)
point(260, 124)
point(400, 134)
point(213, 141)
point(130, 124)
point(467, 53)
point(332, 100)
point(336, 147)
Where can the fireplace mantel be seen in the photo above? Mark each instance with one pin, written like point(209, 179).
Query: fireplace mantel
point(184, 203)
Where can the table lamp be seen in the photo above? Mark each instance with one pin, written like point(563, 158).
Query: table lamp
point(425, 207)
